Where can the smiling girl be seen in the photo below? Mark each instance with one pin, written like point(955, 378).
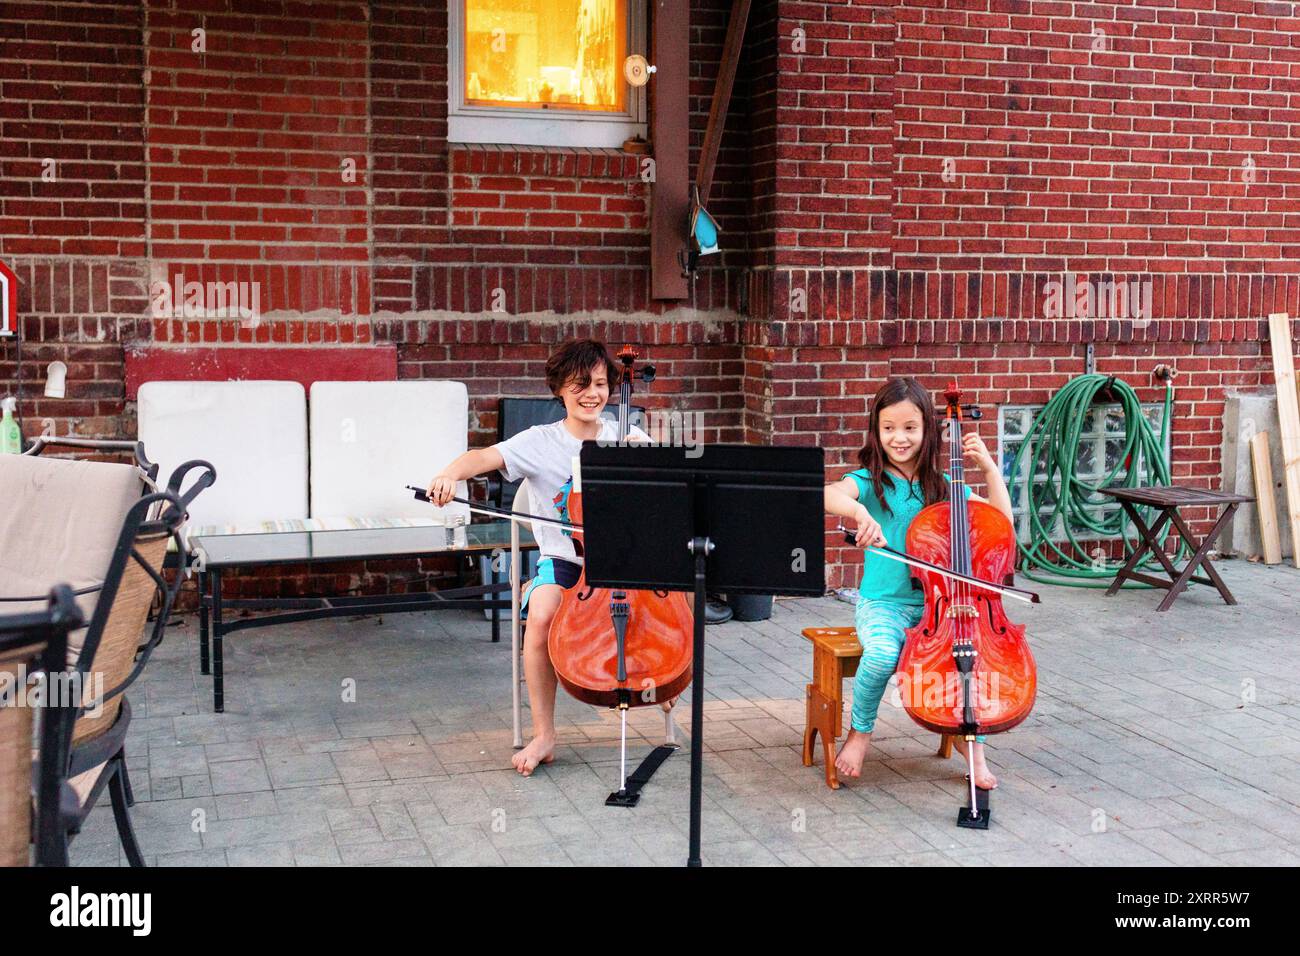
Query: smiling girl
point(579, 374)
point(901, 472)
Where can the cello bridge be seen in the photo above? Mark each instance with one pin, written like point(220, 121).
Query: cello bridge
point(962, 610)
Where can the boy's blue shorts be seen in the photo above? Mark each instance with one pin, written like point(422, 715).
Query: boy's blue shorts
point(552, 571)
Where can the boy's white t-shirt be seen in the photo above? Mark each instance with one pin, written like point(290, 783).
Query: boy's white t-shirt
point(544, 455)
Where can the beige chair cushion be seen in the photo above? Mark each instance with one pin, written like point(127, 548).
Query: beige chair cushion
point(59, 522)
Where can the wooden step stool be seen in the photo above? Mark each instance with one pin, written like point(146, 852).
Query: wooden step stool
point(836, 653)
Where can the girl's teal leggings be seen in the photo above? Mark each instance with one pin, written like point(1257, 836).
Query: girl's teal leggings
point(881, 632)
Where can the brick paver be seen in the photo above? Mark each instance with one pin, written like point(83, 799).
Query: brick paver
point(1157, 739)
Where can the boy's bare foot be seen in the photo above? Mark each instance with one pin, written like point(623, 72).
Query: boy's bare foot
point(984, 778)
point(849, 760)
point(539, 750)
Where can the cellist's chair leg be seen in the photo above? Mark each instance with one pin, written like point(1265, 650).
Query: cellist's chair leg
point(836, 651)
point(828, 754)
point(809, 729)
point(820, 721)
point(945, 746)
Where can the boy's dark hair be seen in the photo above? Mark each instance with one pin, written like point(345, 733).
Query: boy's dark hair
point(573, 361)
point(929, 464)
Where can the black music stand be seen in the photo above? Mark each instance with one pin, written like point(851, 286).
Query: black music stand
point(736, 518)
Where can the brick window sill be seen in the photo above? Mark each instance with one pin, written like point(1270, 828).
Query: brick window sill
point(562, 161)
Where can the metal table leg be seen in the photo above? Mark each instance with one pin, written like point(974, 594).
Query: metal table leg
point(218, 664)
point(205, 666)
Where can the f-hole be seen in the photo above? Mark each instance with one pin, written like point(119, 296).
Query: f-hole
point(932, 627)
point(988, 611)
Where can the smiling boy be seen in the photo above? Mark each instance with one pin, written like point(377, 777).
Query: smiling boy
point(579, 374)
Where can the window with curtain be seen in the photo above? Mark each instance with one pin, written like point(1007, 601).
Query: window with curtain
point(544, 72)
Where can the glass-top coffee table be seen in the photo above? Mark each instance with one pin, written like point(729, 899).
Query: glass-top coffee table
point(217, 554)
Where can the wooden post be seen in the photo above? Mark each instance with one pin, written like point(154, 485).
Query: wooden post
point(670, 139)
point(1265, 502)
point(1288, 417)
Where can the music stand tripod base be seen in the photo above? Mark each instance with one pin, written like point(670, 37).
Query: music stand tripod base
point(680, 510)
point(964, 819)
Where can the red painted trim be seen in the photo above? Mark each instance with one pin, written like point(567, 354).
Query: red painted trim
point(318, 364)
point(9, 303)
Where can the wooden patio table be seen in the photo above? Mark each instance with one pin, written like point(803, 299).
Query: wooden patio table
point(1168, 499)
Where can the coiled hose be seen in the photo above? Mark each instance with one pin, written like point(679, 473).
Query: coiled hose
point(1062, 507)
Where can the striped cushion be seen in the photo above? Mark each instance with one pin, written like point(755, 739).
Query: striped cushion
point(311, 524)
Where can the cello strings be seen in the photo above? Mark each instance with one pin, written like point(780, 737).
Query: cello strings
point(961, 536)
point(957, 495)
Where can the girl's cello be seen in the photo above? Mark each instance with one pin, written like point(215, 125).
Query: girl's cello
point(620, 648)
point(965, 669)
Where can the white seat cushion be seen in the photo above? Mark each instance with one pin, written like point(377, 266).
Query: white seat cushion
point(254, 433)
point(369, 440)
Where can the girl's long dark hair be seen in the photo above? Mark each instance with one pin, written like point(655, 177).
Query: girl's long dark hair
point(929, 460)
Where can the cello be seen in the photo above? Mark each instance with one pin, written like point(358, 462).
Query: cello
point(966, 669)
point(621, 648)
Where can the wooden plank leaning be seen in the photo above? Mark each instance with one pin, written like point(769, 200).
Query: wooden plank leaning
point(1265, 501)
point(1288, 416)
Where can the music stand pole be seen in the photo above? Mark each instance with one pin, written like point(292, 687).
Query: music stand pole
point(701, 548)
point(641, 504)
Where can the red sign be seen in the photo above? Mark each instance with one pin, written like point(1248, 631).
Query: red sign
point(8, 301)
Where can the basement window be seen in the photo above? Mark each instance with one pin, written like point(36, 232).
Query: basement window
point(1101, 442)
point(544, 72)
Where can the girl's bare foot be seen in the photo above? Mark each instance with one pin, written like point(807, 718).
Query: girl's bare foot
point(539, 750)
point(984, 778)
point(849, 760)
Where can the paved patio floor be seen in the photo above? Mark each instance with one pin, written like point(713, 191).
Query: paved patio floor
point(1157, 739)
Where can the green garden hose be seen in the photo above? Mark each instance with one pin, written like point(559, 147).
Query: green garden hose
point(1063, 509)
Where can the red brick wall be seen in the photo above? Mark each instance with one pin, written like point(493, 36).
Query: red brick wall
point(248, 141)
point(1121, 150)
point(848, 254)
point(72, 111)
point(226, 164)
point(1063, 159)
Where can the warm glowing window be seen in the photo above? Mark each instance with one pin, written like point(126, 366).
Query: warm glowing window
point(545, 72)
point(546, 54)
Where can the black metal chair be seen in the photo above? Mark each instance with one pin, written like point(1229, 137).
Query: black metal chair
point(113, 656)
point(148, 472)
point(102, 446)
point(31, 643)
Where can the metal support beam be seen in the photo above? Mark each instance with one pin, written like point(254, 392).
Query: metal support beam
point(670, 137)
point(731, 49)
